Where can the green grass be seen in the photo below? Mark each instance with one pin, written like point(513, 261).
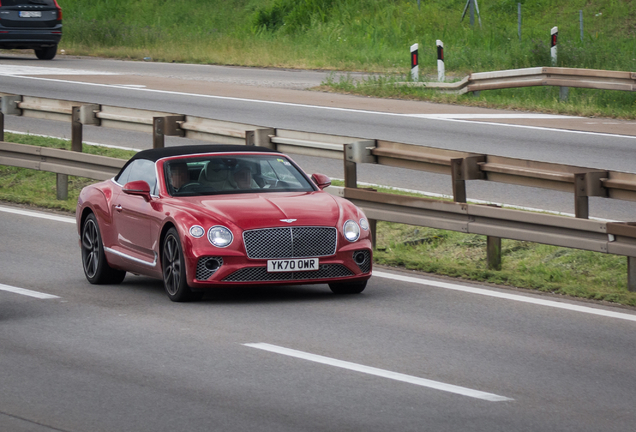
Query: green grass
point(371, 35)
point(526, 265)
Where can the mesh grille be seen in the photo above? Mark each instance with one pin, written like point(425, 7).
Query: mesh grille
point(292, 242)
point(256, 274)
point(366, 264)
point(203, 272)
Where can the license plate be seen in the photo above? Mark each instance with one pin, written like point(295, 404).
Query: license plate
point(30, 14)
point(292, 265)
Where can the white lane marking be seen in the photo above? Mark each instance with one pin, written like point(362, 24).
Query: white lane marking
point(493, 116)
point(380, 372)
point(14, 70)
point(514, 297)
point(26, 292)
point(540, 128)
point(37, 214)
point(255, 101)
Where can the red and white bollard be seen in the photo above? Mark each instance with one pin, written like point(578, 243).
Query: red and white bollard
point(415, 69)
point(553, 44)
point(441, 71)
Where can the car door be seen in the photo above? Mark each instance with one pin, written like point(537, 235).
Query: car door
point(136, 221)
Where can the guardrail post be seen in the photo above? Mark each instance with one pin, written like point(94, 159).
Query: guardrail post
point(587, 184)
point(76, 130)
point(168, 125)
point(260, 138)
point(457, 177)
point(1, 126)
point(564, 92)
point(158, 140)
point(61, 186)
point(493, 252)
point(631, 274)
point(581, 200)
point(10, 105)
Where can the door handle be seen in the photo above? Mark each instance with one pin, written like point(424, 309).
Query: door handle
point(119, 208)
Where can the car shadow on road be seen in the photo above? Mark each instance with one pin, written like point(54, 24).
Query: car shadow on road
point(248, 294)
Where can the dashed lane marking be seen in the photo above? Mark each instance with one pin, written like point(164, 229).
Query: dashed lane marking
point(424, 382)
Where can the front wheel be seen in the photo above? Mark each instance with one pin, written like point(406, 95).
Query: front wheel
point(174, 271)
point(96, 267)
point(348, 288)
point(46, 53)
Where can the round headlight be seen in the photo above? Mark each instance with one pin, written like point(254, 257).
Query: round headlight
point(197, 231)
point(364, 224)
point(351, 230)
point(220, 236)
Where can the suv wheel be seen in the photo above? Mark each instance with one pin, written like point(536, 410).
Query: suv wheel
point(46, 53)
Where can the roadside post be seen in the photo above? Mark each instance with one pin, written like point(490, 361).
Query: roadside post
point(415, 70)
point(554, 33)
point(441, 72)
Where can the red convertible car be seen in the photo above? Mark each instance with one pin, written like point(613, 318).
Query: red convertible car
point(206, 216)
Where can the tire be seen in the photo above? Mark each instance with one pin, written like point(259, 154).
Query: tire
point(174, 270)
point(46, 53)
point(348, 288)
point(96, 268)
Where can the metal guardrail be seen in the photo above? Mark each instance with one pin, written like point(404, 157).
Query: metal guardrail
point(495, 223)
point(538, 76)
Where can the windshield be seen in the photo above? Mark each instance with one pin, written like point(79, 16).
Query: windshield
point(211, 175)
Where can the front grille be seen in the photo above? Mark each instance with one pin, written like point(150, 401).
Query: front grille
point(203, 272)
point(292, 242)
point(260, 274)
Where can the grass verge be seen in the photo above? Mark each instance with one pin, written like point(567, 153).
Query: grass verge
point(534, 266)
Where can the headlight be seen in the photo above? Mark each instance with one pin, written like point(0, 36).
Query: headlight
point(220, 236)
point(197, 231)
point(351, 230)
point(364, 224)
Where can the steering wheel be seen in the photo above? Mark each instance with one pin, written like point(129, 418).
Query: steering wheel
point(189, 187)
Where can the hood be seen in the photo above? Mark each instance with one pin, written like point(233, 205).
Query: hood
point(251, 211)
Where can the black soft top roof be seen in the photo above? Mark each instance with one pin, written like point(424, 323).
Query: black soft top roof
point(156, 154)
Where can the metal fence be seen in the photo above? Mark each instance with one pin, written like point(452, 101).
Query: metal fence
point(614, 238)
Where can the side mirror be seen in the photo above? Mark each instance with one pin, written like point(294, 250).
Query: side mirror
point(321, 180)
point(138, 187)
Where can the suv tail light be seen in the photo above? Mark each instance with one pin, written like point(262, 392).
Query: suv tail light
point(59, 10)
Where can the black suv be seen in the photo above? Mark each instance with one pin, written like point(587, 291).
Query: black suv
point(31, 24)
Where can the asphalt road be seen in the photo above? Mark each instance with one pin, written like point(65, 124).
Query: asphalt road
point(411, 353)
point(105, 358)
point(275, 98)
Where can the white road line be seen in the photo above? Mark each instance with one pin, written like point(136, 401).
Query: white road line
point(493, 116)
point(15, 70)
point(26, 292)
point(83, 142)
point(37, 214)
point(255, 101)
point(380, 372)
point(502, 295)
